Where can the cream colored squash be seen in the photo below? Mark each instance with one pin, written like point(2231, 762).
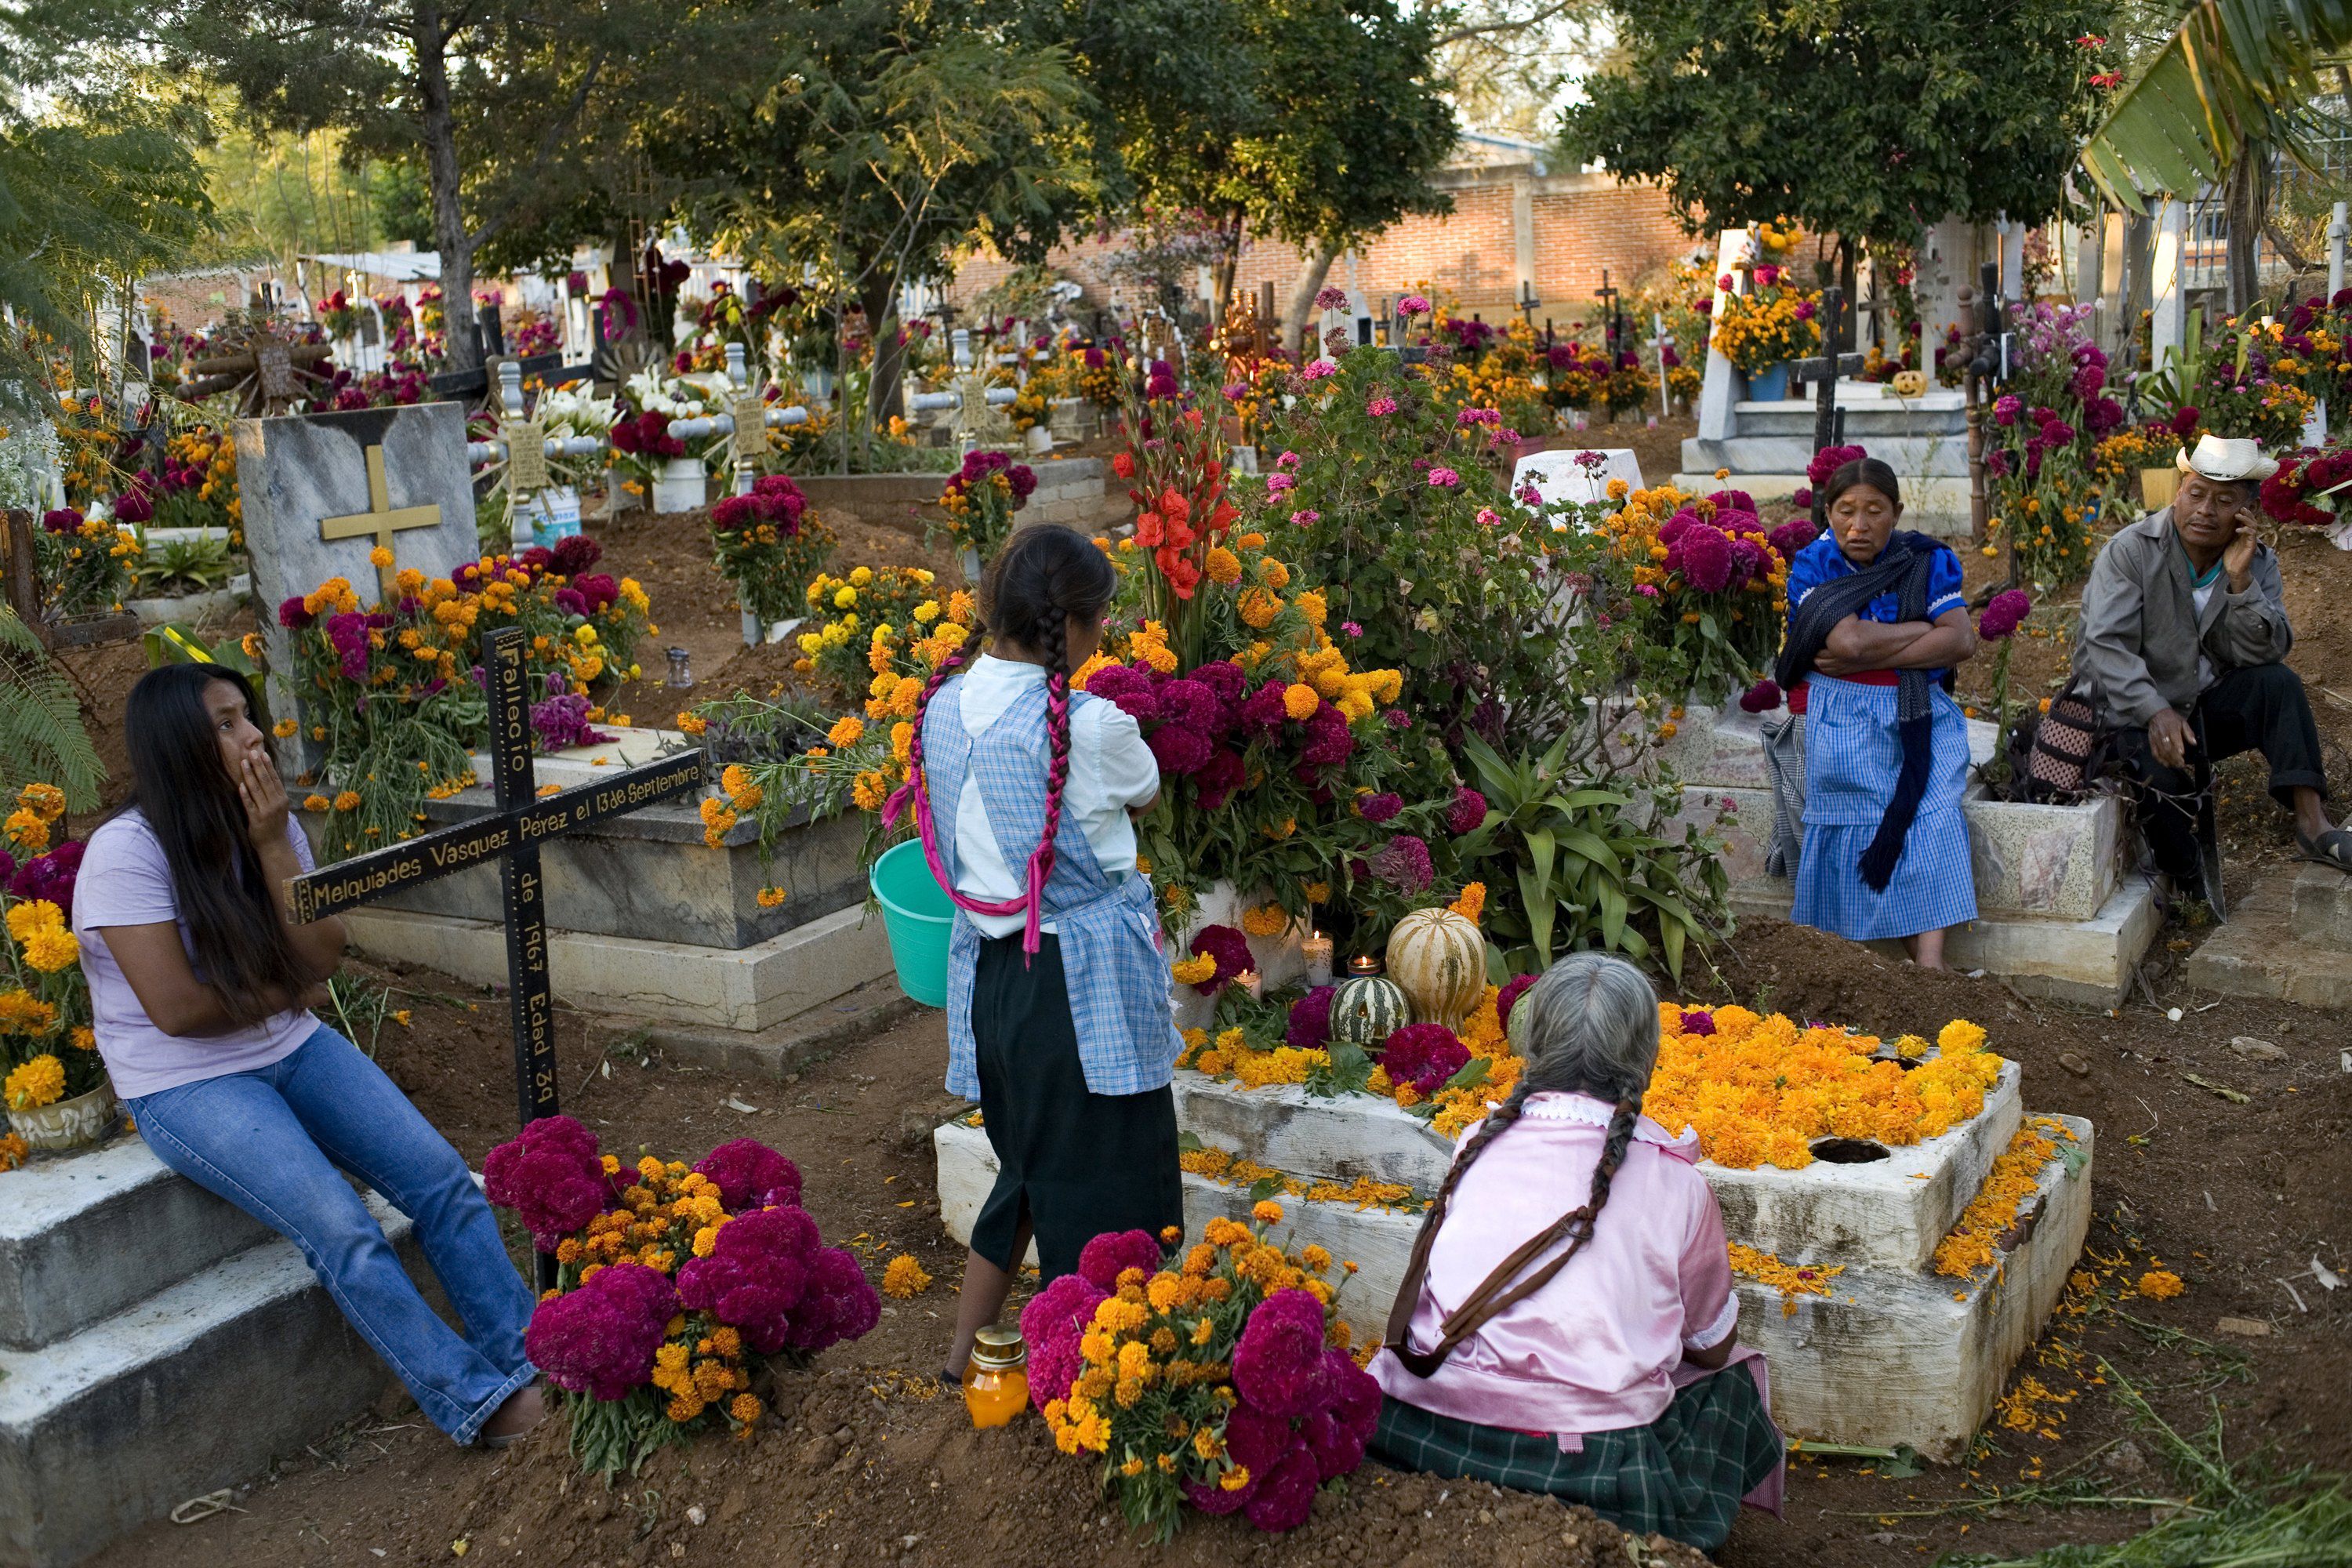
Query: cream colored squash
point(1439, 960)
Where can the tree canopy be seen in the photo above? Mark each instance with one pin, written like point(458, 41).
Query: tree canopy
point(1868, 118)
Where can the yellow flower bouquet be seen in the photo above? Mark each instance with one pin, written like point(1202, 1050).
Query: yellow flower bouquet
point(45, 1044)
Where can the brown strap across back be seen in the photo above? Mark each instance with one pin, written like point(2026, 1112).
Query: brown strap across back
point(1485, 1301)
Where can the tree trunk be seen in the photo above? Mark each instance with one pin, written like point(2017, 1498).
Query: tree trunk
point(2242, 193)
point(1839, 337)
point(1299, 317)
point(1228, 264)
point(881, 302)
point(460, 349)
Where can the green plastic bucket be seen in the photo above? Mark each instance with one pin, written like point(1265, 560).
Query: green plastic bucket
point(917, 915)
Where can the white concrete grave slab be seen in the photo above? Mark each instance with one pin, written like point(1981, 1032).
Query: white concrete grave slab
point(1562, 479)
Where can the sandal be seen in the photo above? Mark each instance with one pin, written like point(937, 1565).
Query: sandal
point(2333, 848)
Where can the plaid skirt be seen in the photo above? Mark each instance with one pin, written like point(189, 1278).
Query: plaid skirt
point(1851, 758)
point(1682, 1476)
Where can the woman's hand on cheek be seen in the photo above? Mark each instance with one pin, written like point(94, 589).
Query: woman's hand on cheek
point(264, 794)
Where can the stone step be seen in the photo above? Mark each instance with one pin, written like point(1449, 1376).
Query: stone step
point(2260, 952)
point(1869, 422)
point(2089, 962)
point(84, 1236)
point(749, 989)
point(2321, 901)
point(198, 1386)
point(1890, 1356)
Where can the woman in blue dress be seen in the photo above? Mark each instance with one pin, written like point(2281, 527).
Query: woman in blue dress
point(1876, 621)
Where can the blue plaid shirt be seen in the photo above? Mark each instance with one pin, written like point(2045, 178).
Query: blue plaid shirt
point(1109, 931)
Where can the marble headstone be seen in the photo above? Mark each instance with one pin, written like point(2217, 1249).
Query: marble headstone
point(295, 473)
point(1560, 479)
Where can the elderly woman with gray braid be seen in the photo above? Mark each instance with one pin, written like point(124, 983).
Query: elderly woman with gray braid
point(1567, 1323)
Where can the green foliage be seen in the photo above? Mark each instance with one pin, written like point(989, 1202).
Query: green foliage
point(1593, 867)
point(41, 734)
point(184, 566)
point(96, 189)
point(2233, 71)
point(1866, 119)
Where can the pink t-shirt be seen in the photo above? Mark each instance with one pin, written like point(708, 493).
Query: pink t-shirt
point(1598, 1348)
point(124, 880)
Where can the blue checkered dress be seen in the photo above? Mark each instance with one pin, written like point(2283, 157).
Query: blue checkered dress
point(1110, 932)
point(1852, 757)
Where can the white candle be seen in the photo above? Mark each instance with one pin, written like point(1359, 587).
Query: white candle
point(1248, 981)
point(1318, 950)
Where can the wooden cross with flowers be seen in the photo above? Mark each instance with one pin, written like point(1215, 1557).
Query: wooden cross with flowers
point(512, 834)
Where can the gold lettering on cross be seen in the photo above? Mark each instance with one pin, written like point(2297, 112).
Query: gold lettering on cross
point(382, 519)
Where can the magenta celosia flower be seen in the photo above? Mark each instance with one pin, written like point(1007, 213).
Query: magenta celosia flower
point(1791, 537)
point(1381, 807)
point(1263, 711)
point(1193, 705)
point(1403, 863)
point(600, 1338)
point(1733, 500)
point(1279, 1357)
point(1309, 1024)
point(2004, 615)
point(1467, 812)
point(1333, 1443)
point(1829, 460)
point(1217, 780)
point(755, 1275)
point(1051, 1325)
point(1424, 1055)
point(751, 1175)
point(1761, 697)
point(2007, 407)
point(1329, 740)
point(1104, 1258)
point(1231, 950)
point(1506, 997)
point(1354, 1394)
point(550, 1174)
point(1129, 690)
point(1214, 1500)
point(1698, 1023)
point(1257, 1438)
point(1224, 677)
point(1180, 750)
point(840, 1303)
point(1706, 560)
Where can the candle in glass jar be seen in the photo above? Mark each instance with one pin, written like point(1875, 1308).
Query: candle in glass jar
point(1317, 948)
point(1251, 982)
point(996, 1382)
point(1363, 964)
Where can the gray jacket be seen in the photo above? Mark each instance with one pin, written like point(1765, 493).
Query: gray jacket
point(2141, 633)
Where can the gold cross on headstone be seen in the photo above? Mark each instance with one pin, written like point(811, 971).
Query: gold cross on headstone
point(381, 518)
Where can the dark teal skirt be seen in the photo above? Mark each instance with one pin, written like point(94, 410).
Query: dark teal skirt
point(1074, 1163)
point(1680, 1476)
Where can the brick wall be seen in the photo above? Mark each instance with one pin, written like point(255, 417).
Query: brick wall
point(1508, 222)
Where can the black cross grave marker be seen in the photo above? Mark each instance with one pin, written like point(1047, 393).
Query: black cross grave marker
point(512, 834)
point(1824, 372)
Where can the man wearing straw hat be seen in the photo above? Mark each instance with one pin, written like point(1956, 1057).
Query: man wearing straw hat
point(2184, 632)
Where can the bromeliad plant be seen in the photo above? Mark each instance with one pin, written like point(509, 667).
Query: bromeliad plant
point(45, 1046)
point(1594, 865)
point(676, 1287)
point(1217, 1375)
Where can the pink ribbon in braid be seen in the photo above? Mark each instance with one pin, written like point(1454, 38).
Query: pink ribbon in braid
point(914, 793)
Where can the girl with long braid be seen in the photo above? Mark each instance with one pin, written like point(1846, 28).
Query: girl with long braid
point(1059, 1024)
point(1567, 1323)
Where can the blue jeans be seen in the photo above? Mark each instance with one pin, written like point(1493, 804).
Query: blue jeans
point(271, 1141)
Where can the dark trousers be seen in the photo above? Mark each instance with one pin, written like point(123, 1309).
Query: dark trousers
point(2259, 707)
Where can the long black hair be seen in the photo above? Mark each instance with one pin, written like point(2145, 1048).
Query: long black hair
point(183, 788)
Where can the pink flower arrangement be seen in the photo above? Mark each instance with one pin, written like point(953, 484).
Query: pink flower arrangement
point(749, 1174)
point(1305, 1413)
point(600, 1340)
point(1110, 1255)
point(552, 1176)
point(1424, 1055)
point(1052, 1325)
point(1443, 478)
point(1412, 305)
point(2004, 615)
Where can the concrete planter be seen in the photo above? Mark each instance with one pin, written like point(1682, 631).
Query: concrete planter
point(67, 1124)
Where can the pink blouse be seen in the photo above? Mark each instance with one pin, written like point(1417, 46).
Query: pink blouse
point(1598, 1347)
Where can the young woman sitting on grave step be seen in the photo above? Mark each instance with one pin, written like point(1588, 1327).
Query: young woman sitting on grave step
point(201, 983)
point(1567, 1323)
point(1058, 1021)
point(1876, 622)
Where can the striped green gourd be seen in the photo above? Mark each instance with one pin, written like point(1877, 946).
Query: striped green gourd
point(1367, 1010)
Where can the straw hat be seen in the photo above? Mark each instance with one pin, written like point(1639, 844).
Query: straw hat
point(2228, 462)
